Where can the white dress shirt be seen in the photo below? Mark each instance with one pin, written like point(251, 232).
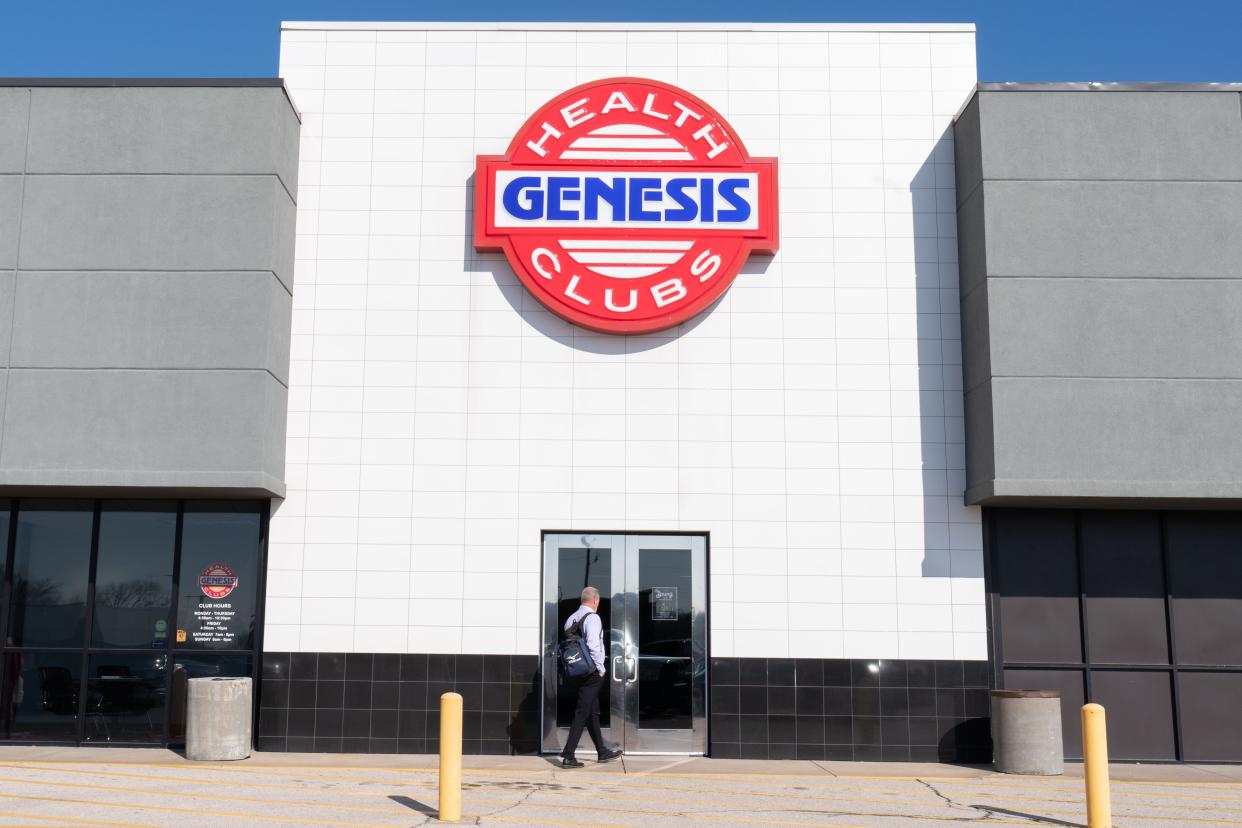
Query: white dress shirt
point(593, 632)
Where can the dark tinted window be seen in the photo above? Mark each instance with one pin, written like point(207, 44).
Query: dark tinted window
point(39, 700)
point(1205, 574)
point(1037, 577)
point(1140, 713)
point(1124, 584)
point(577, 569)
point(125, 697)
point(133, 584)
point(1211, 716)
point(219, 584)
point(5, 510)
point(51, 568)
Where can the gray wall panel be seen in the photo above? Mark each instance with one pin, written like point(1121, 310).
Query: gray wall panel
point(10, 218)
point(1113, 327)
point(1098, 136)
point(163, 130)
point(14, 105)
point(137, 428)
point(1117, 437)
point(109, 319)
point(159, 222)
point(151, 309)
point(1123, 229)
point(1101, 284)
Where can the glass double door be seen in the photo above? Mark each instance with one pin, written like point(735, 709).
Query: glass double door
point(653, 604)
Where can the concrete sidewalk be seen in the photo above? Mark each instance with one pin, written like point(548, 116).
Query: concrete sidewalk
point(118, 786)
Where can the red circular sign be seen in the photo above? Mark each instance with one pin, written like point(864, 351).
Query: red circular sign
point(217, 581)
point(626, 205)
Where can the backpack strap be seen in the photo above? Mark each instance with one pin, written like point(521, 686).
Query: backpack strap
point(579, 626)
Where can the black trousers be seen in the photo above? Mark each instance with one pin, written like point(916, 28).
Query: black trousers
point(586, 714)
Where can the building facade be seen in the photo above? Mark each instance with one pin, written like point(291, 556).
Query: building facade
point(275, 406)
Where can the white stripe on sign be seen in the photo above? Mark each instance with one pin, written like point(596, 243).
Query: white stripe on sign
point(626, 155)
point(626, 129)
point(625, 257)
point(626, 143)
point(623, 244)
point(624, 272)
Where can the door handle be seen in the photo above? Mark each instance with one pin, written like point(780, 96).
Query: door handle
point(616, 675)
point(633, 677)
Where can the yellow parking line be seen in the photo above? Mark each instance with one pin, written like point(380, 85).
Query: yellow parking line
point(635, 784)
point(76, 821)
point(196, 811)
point(214, 796)
point(592, 794)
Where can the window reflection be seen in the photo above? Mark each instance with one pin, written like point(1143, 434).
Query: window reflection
point(40, 696)
point(121, 689)
point(219, 577)
point(125, 698)
point(133, 584)
point(51, 567)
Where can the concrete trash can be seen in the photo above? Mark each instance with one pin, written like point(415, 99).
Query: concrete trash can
point(218, 719)
point(1026, 732)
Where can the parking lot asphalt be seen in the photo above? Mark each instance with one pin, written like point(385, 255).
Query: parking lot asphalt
point(144, 787)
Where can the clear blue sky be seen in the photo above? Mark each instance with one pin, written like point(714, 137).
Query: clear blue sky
point(1018, 40)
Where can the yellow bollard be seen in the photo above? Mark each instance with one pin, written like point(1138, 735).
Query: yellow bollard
point(1095, 766)
point(450, 757)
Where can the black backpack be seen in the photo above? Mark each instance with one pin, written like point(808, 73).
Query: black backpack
point(574, 655)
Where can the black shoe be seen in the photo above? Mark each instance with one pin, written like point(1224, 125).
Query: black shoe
point(609, 755)
point(570, 762)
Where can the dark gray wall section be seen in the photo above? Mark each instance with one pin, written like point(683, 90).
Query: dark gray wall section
point(146, 294)
point(1101, 136)
point(179, 131)
point(157, 222)
point(1100, 241)
point(1139, 229)
point(14, 106)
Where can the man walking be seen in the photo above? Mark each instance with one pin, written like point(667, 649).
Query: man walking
point(586, 714)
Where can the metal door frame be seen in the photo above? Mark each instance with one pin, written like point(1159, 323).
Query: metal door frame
point(624, 727)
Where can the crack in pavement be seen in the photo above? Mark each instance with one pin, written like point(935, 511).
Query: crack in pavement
point(953, 804)
point(993, 812)
point(828, 771)
point(497, 812)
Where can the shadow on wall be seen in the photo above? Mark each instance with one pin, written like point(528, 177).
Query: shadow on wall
point(940, 400)
point(524, 736)
point(549, 324)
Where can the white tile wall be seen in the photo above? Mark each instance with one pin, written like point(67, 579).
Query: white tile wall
point(440, 418)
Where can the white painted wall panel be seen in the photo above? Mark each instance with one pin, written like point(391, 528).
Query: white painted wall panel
point(811, 422)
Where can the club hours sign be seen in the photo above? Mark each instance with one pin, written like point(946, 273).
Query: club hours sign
point(626, 205)
point(215, 619)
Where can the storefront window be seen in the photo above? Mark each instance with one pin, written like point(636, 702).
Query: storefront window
point(125, 697)
point(51, 570)
point(133, 581)
point(219, 577)
point(90, 650)
point(40, 696)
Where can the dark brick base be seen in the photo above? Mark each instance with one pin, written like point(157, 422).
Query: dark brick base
point(384, 703)
point(899, 711)
point(839, 709)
